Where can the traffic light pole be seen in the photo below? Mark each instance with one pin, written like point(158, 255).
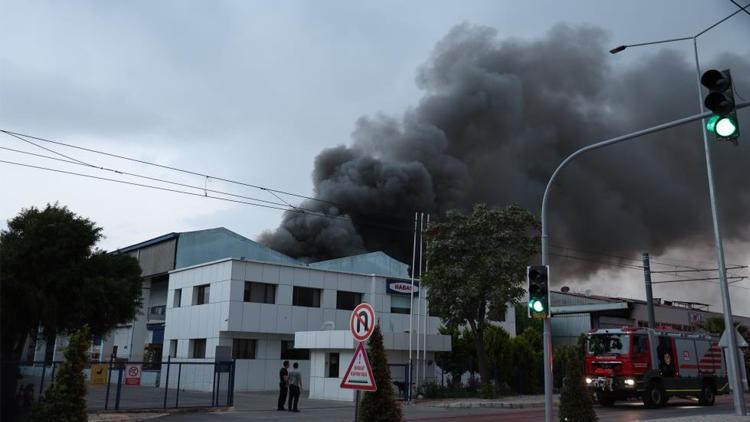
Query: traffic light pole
point(545, 235)
point(734, 360)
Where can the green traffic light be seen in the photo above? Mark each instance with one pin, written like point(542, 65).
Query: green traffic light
point(723, 126)
point(711, 124)
point(537, 306)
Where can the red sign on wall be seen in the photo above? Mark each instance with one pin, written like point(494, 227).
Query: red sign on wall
point(133, 374)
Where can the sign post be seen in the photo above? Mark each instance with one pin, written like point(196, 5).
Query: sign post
point(358, 375)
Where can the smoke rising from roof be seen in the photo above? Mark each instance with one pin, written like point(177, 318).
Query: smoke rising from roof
point(496, 118)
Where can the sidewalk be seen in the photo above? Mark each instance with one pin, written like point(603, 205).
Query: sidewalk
point(111, 417)
point(508, 402)
point(704, 418)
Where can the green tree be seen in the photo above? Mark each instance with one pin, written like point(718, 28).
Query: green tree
point(477, 267)
point(379, 405)
point(65, 400)
point(53, 277)
point(566, 355)
point(523, 321)
point(715, 325)
point(525, 364)
point(458, 360)
point(575, 401)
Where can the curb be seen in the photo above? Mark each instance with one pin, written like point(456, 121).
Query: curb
point(145, 414)
point(486, 405)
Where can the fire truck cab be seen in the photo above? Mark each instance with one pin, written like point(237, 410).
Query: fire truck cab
point(622, 363)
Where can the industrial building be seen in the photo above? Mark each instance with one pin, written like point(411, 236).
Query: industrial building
point(578, 313)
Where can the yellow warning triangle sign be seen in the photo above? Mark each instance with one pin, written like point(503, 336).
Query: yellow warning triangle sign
point(359, 374)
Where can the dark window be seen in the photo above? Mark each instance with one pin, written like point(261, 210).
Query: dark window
point(158, 310)
point(400, 304)
point(348, 300)
point(640, 344)
point(243, 348)
point(332, 365)
point(177, 298)
point(288, 352)
point(200, 294)
point(260, 292)
point(173, 348)
point(198, 348)
point(305, 296)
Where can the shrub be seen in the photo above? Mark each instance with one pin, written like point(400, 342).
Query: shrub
point(379, 405)
point(575, 401)
point(65, 401)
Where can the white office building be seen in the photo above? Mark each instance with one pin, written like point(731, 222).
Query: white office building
point(255, 308)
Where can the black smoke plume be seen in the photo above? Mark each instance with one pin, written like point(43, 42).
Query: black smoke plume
point(497, 117)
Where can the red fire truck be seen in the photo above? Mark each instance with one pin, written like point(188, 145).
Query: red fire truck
point(623, 363)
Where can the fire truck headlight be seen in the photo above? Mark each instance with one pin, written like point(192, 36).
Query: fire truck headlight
point(588, 380)
point(630, 382)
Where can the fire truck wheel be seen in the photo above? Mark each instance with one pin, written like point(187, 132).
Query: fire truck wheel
point(708, 395)
point(605, 399)
point(654, 396)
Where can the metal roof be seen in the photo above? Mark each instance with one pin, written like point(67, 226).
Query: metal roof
point(160, 239)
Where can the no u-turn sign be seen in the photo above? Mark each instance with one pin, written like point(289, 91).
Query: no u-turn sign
point(362, 322)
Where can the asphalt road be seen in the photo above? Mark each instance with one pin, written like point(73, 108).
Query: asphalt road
point(630, 411)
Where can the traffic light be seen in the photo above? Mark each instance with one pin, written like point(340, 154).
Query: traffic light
point(720, 100)
point(538, 286)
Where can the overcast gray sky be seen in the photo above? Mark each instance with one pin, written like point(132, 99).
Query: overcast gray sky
point(252, 91)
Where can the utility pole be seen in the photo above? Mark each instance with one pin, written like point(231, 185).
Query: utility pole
point(649, 293)
point(650, 306)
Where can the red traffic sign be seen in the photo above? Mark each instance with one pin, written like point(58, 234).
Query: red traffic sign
point(362, 322)
point(359, 374)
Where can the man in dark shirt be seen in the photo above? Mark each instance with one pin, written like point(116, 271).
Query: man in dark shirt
point(283, 385)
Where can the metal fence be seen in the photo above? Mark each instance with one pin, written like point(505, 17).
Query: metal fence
point(400, 378)
point(177, 384)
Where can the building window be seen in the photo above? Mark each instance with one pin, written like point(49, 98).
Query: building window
point(200, 294)
point(348, 300)
point(332, 365)
point(177, 298)
point(198, 348)
point(305, 296)
point(260, 292)
point(288, 352)
point(243, 348)
point(400, 304)
point(173, 348)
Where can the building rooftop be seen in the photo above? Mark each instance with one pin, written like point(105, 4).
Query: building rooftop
point(208, 245)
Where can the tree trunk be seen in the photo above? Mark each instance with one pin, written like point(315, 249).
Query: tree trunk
point(484, 373)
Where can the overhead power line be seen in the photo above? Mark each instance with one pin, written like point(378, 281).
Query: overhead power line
point(177, 169)
point(271, 191)
point(737, 267)
point(698, 279)
point(204, 195)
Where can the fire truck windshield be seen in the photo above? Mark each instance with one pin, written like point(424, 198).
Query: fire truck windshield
point(599, 344)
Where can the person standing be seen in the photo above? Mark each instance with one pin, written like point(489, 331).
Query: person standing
point(283, 385)
point(295, 386)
